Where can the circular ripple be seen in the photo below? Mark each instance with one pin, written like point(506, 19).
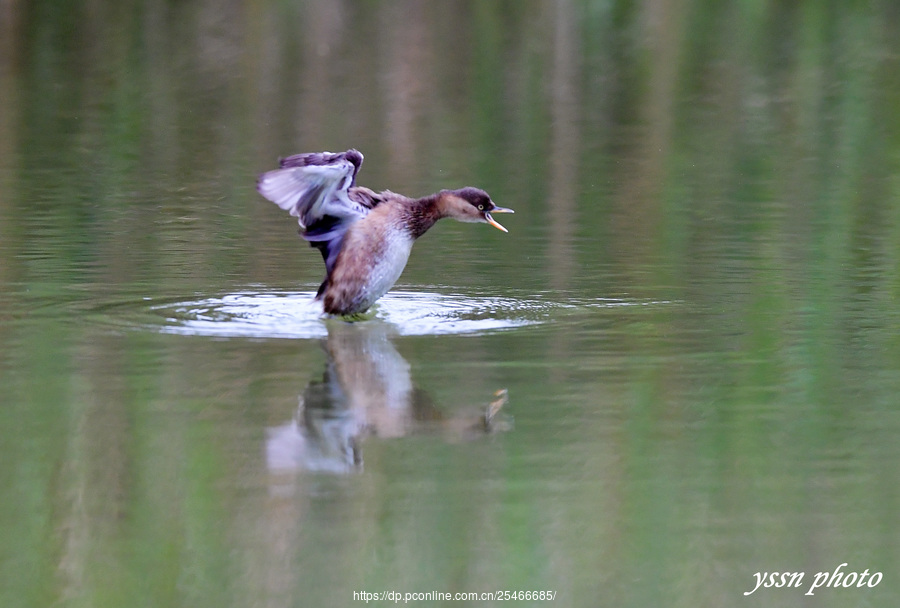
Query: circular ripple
point(297, 315)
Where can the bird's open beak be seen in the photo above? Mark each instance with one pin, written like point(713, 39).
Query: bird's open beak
point(492, 221)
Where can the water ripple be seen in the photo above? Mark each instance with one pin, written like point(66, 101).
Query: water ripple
point(295, 314)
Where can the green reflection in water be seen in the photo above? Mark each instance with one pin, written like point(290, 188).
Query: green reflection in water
point(735, 164)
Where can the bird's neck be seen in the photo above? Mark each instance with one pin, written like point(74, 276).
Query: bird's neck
point(424, 212)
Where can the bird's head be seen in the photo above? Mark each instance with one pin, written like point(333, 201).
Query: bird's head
point(472, 205)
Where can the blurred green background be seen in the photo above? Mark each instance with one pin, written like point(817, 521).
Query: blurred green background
point(707, 198)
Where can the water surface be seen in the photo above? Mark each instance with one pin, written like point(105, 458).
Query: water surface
point(680, 368)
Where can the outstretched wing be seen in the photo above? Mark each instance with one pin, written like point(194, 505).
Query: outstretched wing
point(319, 190)
point(313, 187)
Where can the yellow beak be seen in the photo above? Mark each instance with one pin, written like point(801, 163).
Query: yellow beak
point(492, 221)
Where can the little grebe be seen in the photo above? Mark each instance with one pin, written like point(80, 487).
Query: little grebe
point(365, 237)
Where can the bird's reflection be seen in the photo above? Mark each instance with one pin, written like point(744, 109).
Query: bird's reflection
point(366, 389)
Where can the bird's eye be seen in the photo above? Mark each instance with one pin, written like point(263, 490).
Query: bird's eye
point(481, 207)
